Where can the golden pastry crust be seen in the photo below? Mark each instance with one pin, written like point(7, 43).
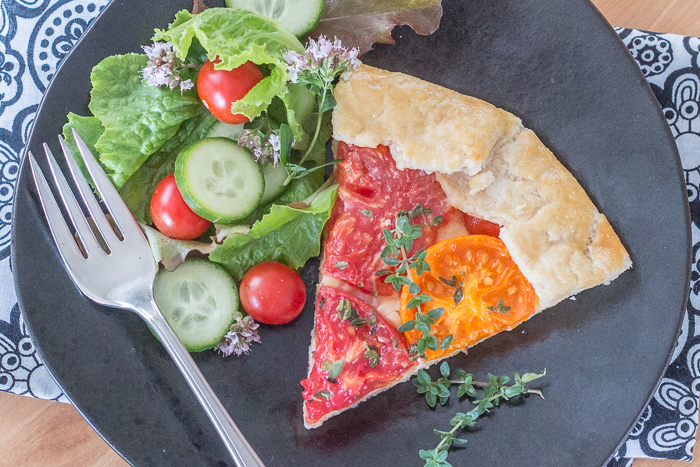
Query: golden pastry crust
point(418, 121)
point(554, 233)
point(490, 167)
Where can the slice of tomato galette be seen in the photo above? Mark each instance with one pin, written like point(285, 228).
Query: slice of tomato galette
point(495, 228)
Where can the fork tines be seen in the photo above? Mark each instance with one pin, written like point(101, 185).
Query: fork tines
point(94, 234)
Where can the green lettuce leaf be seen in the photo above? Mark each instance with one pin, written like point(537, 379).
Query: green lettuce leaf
point(139, 188)
point(286, 234)
point(137, 118)
point(299, 105)
point(235, 36)
point(89, 129)
point(223, 231)
point(181, 17)
point(256, 101)
point(298, 190)
point(301, 188)
point(171, 252)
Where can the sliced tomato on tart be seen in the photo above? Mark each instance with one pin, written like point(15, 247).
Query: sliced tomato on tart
point(478, 286)
point(357, 353)
point(508, 231)
point(371, 192)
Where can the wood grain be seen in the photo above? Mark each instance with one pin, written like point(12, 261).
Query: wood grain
point(40, 433)
point(676, 16)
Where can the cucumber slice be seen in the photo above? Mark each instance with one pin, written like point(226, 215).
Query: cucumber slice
point(299, 16)
point(199, 300)
point(225, 130)
point(219, 180)
point(275, 175)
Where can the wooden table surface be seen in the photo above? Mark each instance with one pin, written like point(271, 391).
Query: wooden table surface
point(37, 433)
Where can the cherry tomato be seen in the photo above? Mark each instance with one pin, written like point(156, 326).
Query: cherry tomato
point(172, 215)
point(218, 89)
point(272, 293)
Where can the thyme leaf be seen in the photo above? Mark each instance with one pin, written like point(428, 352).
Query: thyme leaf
point(395, 343)
point(500, 307)
point(459, 293)
point(324, 394)
point(446, 342)
point(347, 312)
point(372, 354)
point(335, 369)
point(355, 319)
point(450, 283)
point(344, 309)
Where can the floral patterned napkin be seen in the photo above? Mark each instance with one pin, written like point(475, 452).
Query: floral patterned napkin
point(36, 34)
point(666, 429)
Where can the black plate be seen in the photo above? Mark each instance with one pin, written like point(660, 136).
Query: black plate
point(561, 68)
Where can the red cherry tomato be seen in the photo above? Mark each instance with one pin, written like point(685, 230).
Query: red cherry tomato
point(218, 89)
point(172, 215)
point(272, 293)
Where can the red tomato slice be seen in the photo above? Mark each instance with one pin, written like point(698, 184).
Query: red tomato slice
point(361, 372)
point(172, 216)
point(372, 191)
point(493, 294)
point(476, 226)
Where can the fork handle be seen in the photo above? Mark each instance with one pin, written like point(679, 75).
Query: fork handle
point(241, 452)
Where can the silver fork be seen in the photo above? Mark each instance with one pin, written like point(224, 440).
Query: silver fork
point(122, 274)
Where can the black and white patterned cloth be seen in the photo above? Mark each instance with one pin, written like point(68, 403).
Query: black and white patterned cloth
point(36, 34)
point(666, 429)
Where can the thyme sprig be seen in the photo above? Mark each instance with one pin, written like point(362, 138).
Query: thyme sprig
point(399, 242)
point(495, 389)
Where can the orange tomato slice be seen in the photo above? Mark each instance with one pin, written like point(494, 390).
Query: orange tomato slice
point(495, 296)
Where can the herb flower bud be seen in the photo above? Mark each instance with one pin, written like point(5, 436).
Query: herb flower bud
point(164, 68)
point(322, 59)
point(242, 333)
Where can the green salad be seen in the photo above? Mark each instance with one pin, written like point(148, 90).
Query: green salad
point(216, 138)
